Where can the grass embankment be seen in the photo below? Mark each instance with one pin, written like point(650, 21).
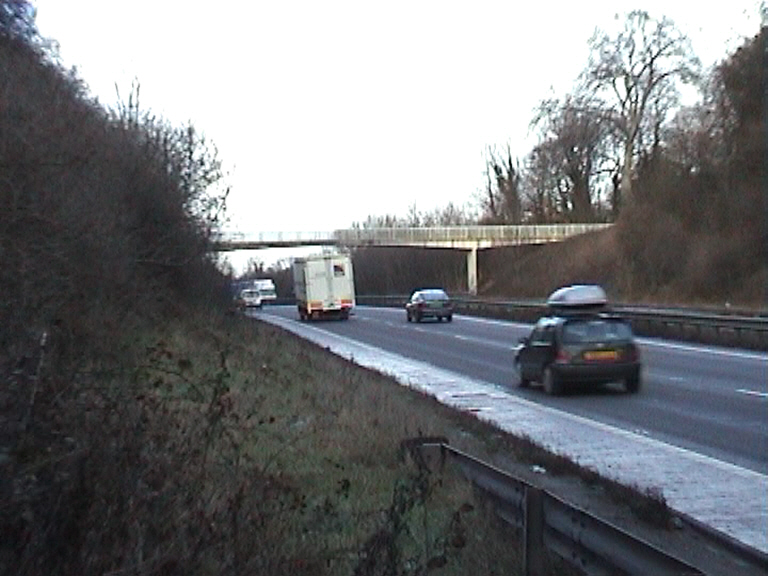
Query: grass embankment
point(738, 279)
point(226, 446)
point(299, 463)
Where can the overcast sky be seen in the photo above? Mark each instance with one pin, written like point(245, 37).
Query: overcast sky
point(327, 111)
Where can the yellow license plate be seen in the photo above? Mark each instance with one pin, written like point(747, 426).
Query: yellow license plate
point(601, 355)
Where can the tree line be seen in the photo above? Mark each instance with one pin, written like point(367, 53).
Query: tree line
point(622, 120)
point(105, 221)
point(105, 213)
point(685, 185)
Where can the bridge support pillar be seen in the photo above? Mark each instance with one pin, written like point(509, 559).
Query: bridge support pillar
point(472, 271)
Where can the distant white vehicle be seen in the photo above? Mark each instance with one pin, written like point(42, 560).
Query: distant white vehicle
point(257, 293)
point(324, 286)
point(266, 288)
point(249, 298)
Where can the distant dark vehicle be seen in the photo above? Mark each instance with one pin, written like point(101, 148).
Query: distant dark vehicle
point(579, 342)
point(429, 303)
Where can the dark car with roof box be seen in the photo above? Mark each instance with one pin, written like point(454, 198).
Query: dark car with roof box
point(579, 342)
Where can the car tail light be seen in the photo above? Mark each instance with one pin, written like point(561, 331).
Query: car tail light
point(562, 356)
point(633, 354)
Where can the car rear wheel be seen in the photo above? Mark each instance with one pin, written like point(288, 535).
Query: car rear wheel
point(522, 381)
point(552, 385)
point(632, 384)
point(449, 318)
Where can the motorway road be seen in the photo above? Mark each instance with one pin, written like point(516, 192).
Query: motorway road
point(713, 401)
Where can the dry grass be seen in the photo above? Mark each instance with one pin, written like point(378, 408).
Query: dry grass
point(535, 271)
point(661, 264)
point(224, 446)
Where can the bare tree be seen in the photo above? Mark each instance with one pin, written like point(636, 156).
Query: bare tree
point(489, 200)
point(500, 202)
point(414, 218)
point(453, 215)
point(17, 19)
point(546, 193)
point(372, 222)
point(574, 129)
point(448, 215)
point(634, 68)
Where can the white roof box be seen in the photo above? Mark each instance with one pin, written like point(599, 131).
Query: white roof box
point(578, 297)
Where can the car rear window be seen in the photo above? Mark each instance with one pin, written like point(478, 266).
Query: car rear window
point(596, 330)
point(435, 295)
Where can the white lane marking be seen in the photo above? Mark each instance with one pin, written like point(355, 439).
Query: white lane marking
point(483, 341)
point(494, 321)
point(730, 352)
point(669, 378)
point(727, 352)
point(682, 347)
point(462, 337)
point(405, 370)
point(625, 456)
point(753, 393)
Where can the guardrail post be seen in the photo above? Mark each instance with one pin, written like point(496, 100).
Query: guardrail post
point(533, 529)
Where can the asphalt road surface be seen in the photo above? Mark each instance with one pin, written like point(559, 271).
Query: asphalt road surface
point(710, 400)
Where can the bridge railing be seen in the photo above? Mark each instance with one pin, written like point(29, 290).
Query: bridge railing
point(490, 235)
point(523, 234)
point(274, 236)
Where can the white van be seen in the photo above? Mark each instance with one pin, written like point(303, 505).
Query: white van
point(324, 286)
point(266, 288)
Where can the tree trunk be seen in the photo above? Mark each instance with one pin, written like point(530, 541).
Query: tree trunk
point(625, 186)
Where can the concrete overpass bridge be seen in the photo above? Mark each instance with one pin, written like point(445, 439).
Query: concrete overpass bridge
point(467, 238)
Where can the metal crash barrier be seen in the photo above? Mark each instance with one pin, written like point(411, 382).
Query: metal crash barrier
point(549, 524)
point(726, 328)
